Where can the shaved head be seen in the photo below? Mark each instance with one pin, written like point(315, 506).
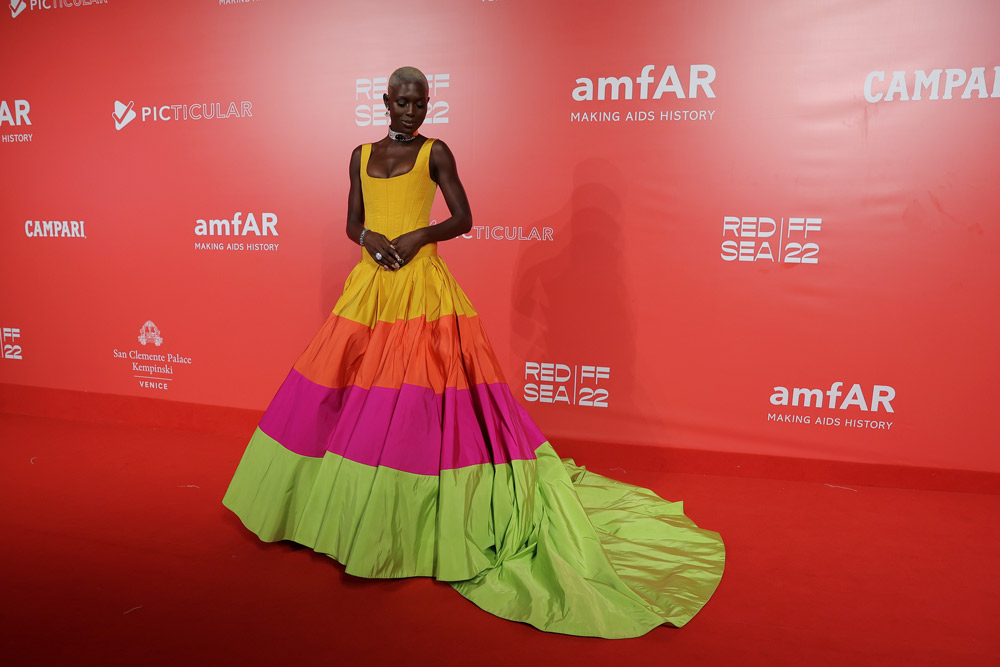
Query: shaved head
point(405, 75)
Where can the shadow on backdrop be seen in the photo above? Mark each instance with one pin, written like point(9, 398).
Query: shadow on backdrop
point(569, 303)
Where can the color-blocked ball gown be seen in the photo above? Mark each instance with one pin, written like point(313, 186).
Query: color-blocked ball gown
point(396, 447)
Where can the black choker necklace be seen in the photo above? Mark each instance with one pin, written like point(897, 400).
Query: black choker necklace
point(399, 136)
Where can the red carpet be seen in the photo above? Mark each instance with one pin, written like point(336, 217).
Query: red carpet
point(118, 551)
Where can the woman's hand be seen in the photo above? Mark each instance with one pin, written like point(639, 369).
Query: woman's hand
point(408, 244)
point(377, 244)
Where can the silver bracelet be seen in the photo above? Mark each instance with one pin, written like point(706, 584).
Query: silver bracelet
point(361, 240)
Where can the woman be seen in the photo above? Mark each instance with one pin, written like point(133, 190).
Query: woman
point(396, 447)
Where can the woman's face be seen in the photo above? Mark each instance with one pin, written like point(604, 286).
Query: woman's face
point(407, 107)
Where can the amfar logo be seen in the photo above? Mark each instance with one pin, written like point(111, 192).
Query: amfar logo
point(220, 227)
point(237, 226)
point(20, 115)
point(700, 77)
point(18, 118)
point(900, 84)
point(881, 395)
point(124, 114)
point(834, 399)
point(621, 88)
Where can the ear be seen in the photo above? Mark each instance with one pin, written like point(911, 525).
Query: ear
point(385, 98)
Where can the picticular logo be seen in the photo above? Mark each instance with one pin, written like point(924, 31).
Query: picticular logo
point(149, 333)
point(16, 7)
point(123, 114)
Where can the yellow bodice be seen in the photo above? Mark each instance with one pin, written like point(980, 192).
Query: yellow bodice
point(399, 204)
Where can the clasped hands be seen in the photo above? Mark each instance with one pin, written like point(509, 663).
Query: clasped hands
point(392, 255)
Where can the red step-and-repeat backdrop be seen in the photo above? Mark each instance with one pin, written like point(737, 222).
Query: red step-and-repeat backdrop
point(738, 226)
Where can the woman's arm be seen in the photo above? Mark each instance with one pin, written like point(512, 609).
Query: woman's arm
point(444, 171)
point(355, 201)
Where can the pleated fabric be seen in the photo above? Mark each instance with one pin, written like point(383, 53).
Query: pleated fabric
point(396, 447)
